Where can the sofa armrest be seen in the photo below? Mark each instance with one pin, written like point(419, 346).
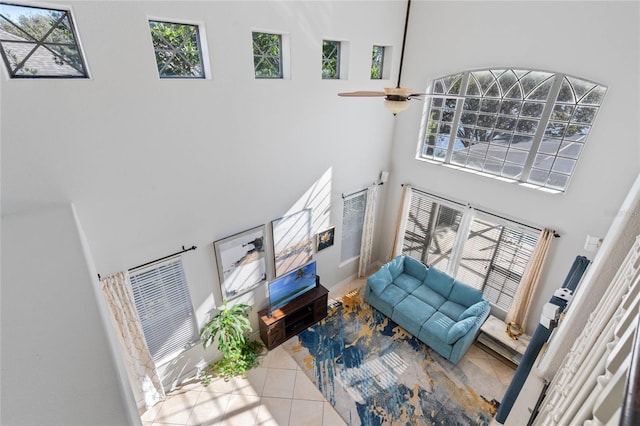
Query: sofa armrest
point(379, 280)
point(462, 345)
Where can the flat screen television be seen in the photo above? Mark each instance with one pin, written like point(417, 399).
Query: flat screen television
point(294, 283)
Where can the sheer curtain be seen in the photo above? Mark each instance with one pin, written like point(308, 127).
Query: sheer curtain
point(530, 279)
point(400, 220)
point(367, 231)
point(142, 370)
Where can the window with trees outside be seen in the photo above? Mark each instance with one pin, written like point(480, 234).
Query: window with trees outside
point(330, 59)
point(475, 247)
point(267, 55)
point(353, 210)
point(523, 126)
point(40, 42)
point(377, 62)
point(177, 50)
point(164, 306)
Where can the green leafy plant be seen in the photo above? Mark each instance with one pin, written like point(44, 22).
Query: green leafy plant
point(228, 329)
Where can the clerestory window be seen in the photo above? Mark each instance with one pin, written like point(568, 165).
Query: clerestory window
point(177, 49)
point(523, 126)
point(377, 62)
point(267, 55)
point(40, 42)
point(330, 59)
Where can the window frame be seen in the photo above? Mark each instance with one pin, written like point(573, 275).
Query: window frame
point(453, 97)
point(201, 50)
point(171, 281)
point(382, 66)
point(281, 56)
point(463, 234)
point(75, 38)
point(352, 230)
point(337, 60)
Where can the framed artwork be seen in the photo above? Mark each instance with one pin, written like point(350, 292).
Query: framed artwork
point(292, 241)
point(241, 262)
point(325, 238)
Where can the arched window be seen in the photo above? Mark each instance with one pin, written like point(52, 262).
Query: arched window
point(523, 126)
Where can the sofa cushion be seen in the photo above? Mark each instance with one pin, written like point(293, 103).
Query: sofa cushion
point(464, 295)
point(436, 327)
point(415, 268)
point(452, 309)
point(459, 329)
point(411, 313)
point(396, 266)
point(439, 281)
point(380, 280)
point(474, 310)
point(429, 296)
point(407, 282)
point(393, 294)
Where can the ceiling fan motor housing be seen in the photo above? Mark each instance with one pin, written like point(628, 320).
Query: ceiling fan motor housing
point(398, 94)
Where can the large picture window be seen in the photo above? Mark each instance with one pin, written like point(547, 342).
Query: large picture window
point(523, 126)
point(476, 247)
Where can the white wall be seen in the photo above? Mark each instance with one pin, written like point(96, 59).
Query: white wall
point(57, 360)
point(593, 40)
point(152, 164)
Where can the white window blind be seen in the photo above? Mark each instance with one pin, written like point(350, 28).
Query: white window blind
point(477, 248)
point(164, 305)
point(352, 223)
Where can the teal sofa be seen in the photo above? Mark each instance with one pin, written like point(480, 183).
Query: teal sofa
point(443, 313)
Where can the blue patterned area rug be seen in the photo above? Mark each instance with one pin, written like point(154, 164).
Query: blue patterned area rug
point(374, 373)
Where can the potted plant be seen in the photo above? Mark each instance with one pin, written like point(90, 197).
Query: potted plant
point(227, 328)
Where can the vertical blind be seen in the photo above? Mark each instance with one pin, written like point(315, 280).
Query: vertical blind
point(164, 305)
point(478, 249)
point(352, 222)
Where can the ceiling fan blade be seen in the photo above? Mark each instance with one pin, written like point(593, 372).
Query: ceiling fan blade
point(431, 95)
point(362, 93)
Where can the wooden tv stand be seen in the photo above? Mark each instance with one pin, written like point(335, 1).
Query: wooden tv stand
point(292, 318)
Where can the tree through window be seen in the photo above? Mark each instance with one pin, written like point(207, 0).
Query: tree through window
point(177, 50)
point(526, 126)
point(39, 42)
point(267, 55)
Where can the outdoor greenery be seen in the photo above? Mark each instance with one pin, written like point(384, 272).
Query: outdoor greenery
point(330, 59)
point(267, 55)
point(377, 62)
point(227, 329)
point(177, 49)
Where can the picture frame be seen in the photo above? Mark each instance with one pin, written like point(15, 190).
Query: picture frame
point(292, 241)
point(325, 238)
point(241, 262)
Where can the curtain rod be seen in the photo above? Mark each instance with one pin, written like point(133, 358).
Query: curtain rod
point(360, 191)
point(184, 250)
point(555, 234)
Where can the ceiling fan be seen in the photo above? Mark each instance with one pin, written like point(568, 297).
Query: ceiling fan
point(396, 98)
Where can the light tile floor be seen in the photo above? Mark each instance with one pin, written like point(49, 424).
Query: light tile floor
point(277, 393)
